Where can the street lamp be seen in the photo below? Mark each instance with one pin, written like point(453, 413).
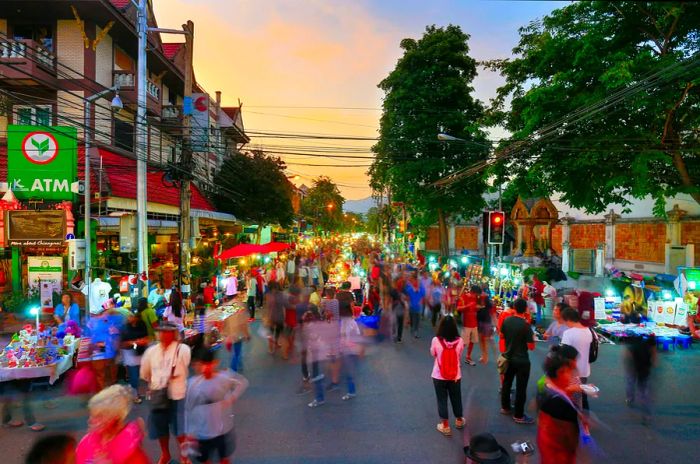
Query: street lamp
point(116, 105)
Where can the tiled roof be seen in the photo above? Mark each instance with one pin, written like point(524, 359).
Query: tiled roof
point(121, 172)
point(231, 111)
point(171, 49)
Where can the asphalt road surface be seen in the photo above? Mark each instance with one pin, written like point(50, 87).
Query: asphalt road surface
point(393, 418)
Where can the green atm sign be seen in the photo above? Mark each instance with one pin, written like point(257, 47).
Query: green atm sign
point(42, 162)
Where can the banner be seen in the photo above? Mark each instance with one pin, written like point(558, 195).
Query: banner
point(46, 274)
point(36, 228)
point(42, 162)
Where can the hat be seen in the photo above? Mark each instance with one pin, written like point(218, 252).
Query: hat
point(165, 326)
point(484, 449)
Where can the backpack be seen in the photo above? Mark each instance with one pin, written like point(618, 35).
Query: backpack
point(593, 349)
point(448, 363)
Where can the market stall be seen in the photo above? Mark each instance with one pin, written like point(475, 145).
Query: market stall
point(30, 357)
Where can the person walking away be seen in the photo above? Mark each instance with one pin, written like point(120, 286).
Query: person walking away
point(557, 328)
point(290, 320)
point(66, 310)
point(485, 317)
point(110, 438)
point(518, 339)
point(558, 418)
point(399, 310)
point(314, 351)
point(235, 332)
point(580, 337)
point(416, 296)
point(437, 293)
point(134, 341)
point(467, 307)
point(330, 311)
point(275, 304)
point(210, 397)
point(640, 357)
point(350, 349)
point(446, 347)
point(164, 367)
point(174, 311)
point(251, 293)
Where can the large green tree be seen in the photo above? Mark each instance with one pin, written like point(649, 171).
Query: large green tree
point(428, 92)
point(608, 96)
point(254, 188)
point(323, 205)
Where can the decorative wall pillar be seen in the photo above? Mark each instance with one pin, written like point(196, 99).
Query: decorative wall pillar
point(565, 254)
point(451, 233)
point(610, 220)
point(673, 227)
point(599, 259)
point(529, 240)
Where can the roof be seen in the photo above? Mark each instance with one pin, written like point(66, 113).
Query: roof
point(171, 49)
point(121, 172)
point(231, 111)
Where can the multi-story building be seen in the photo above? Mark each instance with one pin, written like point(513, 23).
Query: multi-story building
point(53, 56)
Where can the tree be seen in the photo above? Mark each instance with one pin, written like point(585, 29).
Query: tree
point(254, 188)
point(323, 205)
point(609, 94)
point(353, 222)
point(429, 91)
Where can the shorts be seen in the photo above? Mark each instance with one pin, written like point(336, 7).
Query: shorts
point(470, 335)
point(223, 445)
point(168, 421)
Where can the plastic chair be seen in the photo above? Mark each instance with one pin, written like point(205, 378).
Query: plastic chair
point(684, 341)
point(666, 343)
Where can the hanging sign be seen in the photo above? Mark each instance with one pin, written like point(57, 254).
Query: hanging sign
point(42, 162)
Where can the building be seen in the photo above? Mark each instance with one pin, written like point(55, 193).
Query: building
point(55, 54)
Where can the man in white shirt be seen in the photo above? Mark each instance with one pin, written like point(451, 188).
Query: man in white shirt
point(580, 337)
point(165, 366)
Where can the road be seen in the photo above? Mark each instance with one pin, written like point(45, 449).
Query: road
point(393, 418)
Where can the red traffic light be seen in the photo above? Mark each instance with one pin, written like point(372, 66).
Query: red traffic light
point(497, 219)
point(496, 233)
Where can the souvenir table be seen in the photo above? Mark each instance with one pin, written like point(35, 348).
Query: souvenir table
point(23, 359)
point(213, 319)
point(620, 331)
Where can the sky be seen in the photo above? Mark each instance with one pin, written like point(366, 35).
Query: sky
point(312, 66)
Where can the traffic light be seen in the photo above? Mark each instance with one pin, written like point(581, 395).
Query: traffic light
point(497, 223)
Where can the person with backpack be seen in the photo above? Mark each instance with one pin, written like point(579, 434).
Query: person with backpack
point(446, 347)
point(586, 343)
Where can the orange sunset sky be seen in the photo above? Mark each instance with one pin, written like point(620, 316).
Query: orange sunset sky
point(277, 56)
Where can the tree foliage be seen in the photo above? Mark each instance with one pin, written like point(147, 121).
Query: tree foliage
point(254, 188)
point(323, 205)
point(429, 91)
point(640, 60)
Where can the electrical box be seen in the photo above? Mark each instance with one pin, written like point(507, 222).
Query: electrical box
point(76, 254)
point(127, 233)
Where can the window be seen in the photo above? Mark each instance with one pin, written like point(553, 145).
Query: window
point(39, 33)
point(32, 115)
point(124, 135)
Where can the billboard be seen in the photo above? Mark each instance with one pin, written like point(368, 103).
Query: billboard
point(42, 162)
point(36, 228)
point(199, 123)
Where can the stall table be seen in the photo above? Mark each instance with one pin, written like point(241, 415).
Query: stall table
point(52, 371)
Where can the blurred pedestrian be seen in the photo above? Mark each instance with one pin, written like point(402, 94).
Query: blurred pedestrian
point(416, 297)
point(134, 341)
point(164, 367)
point(557, 328)
point(52, 449)
point(519, 340)
point(581, 338)
point(251, 293)
point(7, 404)
point(210, 397)
point(275, 305)
point(446, 347)
point(110, 438)
point(640, 358)
point(235, 331)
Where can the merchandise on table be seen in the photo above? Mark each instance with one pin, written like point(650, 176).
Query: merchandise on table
point(27, 350)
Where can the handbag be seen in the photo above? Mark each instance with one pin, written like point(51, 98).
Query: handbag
point(159, 399)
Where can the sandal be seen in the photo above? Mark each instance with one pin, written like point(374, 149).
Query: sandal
point(37, 427)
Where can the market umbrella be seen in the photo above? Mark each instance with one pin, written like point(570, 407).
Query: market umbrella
point(274, 247)
point(242, 249)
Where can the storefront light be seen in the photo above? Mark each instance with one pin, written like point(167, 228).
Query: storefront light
point(692, 285)
point(609, 292)
point(666, 295)
point(465, 260)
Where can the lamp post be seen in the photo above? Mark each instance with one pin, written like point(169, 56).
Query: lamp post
point(116, 105)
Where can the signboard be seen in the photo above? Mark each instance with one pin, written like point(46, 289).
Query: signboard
point(46, 273)
point(36, 228)
point(681, 313)
point(583, 260)
point(662, 312)
point(42, 162)
point(199, 123)
point(605, 305)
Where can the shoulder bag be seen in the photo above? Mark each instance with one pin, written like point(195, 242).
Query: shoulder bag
point(159, 398)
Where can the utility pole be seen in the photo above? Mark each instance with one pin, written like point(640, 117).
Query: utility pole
point(141, 148)
point(186, 163)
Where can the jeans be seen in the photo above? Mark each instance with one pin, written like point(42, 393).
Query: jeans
point(236, 355)
point(399, 325)
point(133, 372)
point(538, 315)
point(6, 402)
point(445, 388)
point(521, 373)
point(349, 368)
point(251, 306)
point(318, 385)
point(415, 322)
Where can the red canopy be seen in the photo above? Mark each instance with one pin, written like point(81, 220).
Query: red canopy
point(274, 247)
point(242, 249)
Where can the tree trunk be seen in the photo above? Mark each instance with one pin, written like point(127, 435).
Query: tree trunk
point(442, 232)
point(258, 233)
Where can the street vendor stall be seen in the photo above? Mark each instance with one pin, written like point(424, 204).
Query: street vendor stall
point(30, 357)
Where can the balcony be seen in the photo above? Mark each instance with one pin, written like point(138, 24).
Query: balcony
point(26, 60)
point(126, 80)
point(171, 115)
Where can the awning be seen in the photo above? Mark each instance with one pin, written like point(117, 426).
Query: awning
point(215, 215)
